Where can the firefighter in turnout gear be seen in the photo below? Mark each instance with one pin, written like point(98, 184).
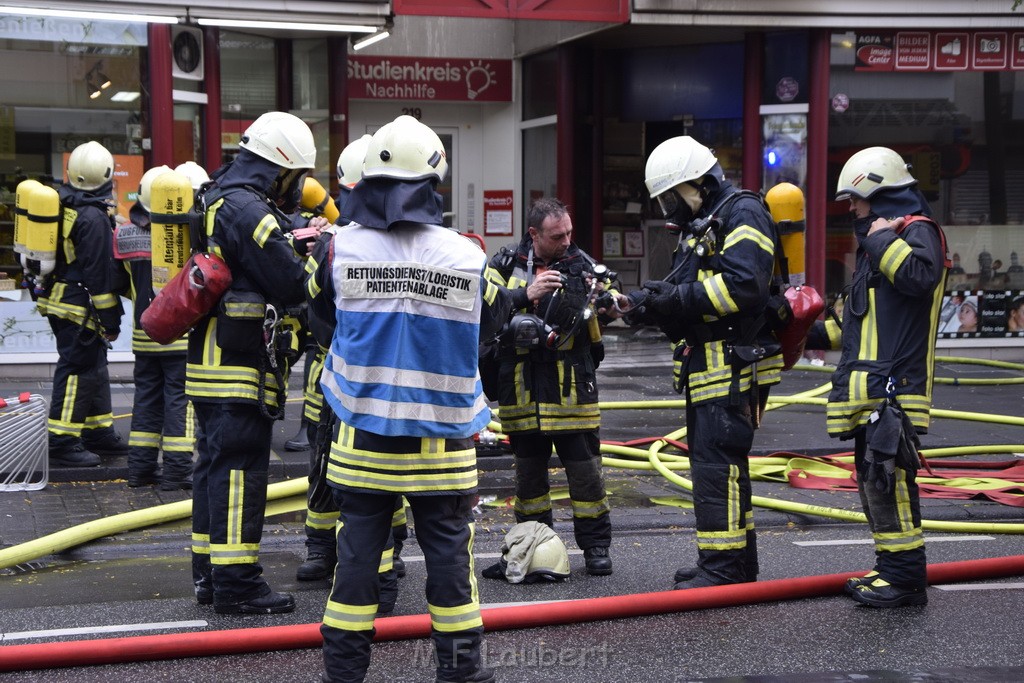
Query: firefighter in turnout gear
point(711, 307)
point(162, 418)
point(234, 374)
point(409, 301)
point(80, 301)
point(548, 394)
point(321, 510)
point(881, 388)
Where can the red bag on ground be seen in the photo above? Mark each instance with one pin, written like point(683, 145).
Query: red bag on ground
point(805, 305)
point(187, 298)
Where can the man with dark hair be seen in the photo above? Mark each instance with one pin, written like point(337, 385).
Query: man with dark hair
point(548, 394)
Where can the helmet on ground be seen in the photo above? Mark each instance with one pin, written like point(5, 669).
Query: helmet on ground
point(550, 562)
point(677, 160)
point(872, 170)
point(786, 202)
point(350, 161)
point(407, 150)
point(195, 173)
point(282, 138)
point(146, 185)
point(90, 166)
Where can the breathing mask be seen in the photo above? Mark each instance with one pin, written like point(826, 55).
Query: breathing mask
point(679, 205)
point(286, 190)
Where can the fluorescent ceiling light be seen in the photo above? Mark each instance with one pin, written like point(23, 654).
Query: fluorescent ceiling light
point(97, 16)
point(287, 25)
point(124, 96)
point(370, 40)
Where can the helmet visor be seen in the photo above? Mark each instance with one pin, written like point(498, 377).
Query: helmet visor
point(669, 202)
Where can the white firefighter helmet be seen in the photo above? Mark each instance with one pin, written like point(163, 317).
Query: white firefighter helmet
point(405, 149)
point(550, 562)
point(146, 185)
point(195, 173)
point(871, 170)
point(282, 138)
point(350, 161)
point(677, 160)
point(90, 166)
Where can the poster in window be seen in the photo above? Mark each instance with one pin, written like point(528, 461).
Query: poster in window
point(633, 243)
point(612, 244)
point(960, 315)
point(497, 212)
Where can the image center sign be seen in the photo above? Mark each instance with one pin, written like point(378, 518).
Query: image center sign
point(431, 79)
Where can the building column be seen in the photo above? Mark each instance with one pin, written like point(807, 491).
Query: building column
point(337, 103)
point(818, 192)
point(161, 97)
point(212, 153)
point(753, 74)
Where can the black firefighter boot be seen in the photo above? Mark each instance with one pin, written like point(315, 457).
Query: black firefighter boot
point(299, 442)
point(317, 566)
point(715, 568)
point(750, 564)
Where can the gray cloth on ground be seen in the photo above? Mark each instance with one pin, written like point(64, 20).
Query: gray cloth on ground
point(520, 543)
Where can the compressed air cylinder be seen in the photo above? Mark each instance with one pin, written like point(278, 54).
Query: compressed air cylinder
point(786, 202)
point(36, 226)
point(316, 200)
point(170, 204)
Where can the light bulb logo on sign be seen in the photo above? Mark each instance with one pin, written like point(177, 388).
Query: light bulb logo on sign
point(478, 78)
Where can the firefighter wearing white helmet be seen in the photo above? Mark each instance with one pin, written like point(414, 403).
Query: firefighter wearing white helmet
point(90, 167)
point(321, 510)
point(350, 162)
point(872, 170)
point(80, 301)
point(146, 186)
point(195, 173)
point(881, 388)
point(237, 358)
point(160, 420)
point(711, 306)
point(399, 293)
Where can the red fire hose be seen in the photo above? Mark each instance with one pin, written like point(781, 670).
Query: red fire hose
point(299, 636)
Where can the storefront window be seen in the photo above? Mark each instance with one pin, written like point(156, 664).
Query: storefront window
point(248, 85)
point(950, 104)
point(66, 82)
point(539, 165)
point(540, 85)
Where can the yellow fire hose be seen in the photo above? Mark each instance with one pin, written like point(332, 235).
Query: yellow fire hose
point(632, 458)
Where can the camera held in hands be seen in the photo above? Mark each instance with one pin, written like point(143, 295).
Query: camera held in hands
point(564, 311)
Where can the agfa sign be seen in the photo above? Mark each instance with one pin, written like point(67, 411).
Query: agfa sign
point(424, 78)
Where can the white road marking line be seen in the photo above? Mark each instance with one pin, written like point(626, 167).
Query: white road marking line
point(482, 556)
point(115, 628)
point(978, 586)
point(492, 605)
point(868, 541)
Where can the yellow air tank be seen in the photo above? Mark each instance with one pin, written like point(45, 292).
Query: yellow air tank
point(170, 204)
point(36, 226)
point(316, 200)
point(786, 202)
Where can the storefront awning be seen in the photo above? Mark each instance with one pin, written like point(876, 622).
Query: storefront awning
point(367, 15)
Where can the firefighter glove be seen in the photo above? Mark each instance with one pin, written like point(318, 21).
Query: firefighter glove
point(663, 300)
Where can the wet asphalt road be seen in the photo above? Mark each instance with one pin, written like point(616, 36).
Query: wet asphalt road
point(968, 632)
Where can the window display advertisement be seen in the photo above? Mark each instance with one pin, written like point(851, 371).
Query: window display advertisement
point(127, 176)
point(978, 313)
